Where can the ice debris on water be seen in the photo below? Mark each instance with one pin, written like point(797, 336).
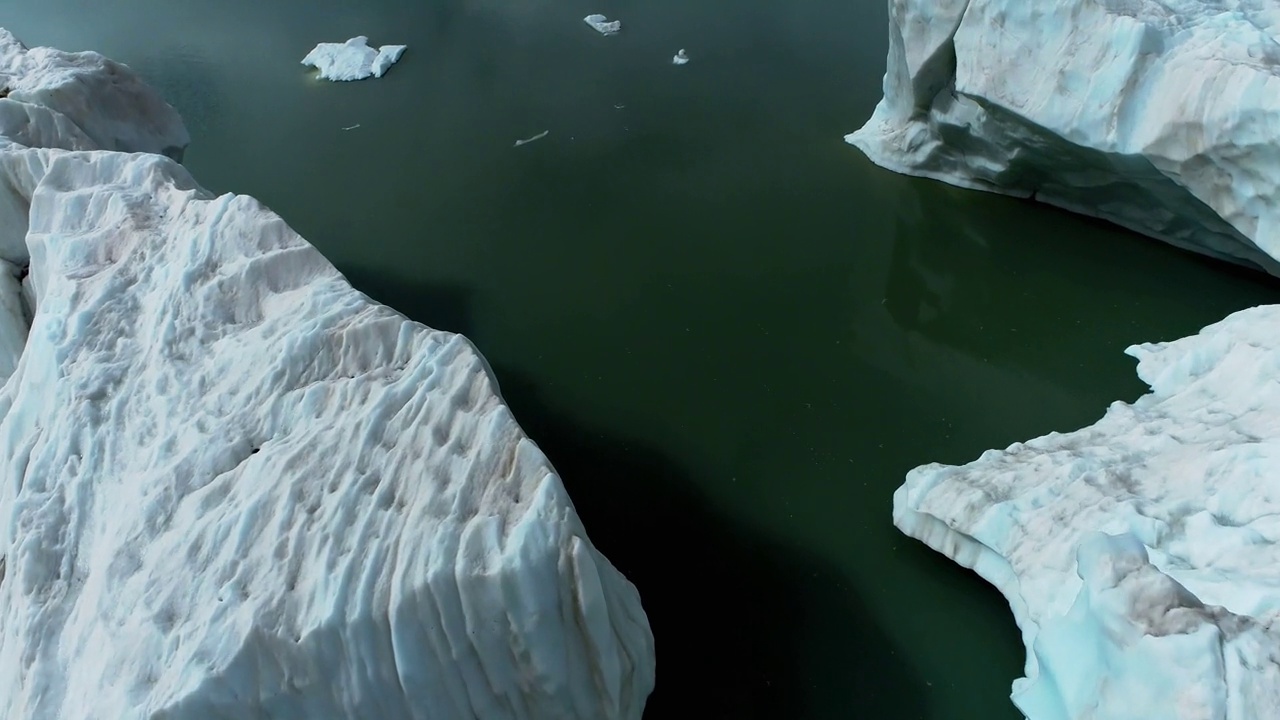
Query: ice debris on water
point(603, 24)
point(680, 58)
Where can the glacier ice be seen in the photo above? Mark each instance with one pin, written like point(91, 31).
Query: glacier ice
point(1158, 115)
point(233, 486)
point(602, 24)
point(1140, 555)
point(353, 59)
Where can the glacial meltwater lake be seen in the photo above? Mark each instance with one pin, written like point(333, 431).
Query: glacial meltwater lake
point(732, 334)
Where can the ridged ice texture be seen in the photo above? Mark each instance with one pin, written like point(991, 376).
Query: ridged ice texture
point(1169, 614)
point(1159, 115)
point(231, 486)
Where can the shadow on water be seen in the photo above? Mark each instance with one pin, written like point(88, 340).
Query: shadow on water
point(441, 307)
point(744, 627)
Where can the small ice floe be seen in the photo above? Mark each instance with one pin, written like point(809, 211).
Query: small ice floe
point(602, 24)
point(351, 127)
point(618, 106)
point(528, 140)
point(353, 59)
point(680, 58)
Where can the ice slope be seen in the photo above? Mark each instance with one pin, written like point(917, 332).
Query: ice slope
point(231, 486)
point(1159, 115)
point(1140, 555)
point(353, 59)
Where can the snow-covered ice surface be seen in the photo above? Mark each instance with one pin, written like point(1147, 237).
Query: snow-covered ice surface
point(1159, 115)
point(602, 24)
point(232, 486)
point(353, 59)
point(1140, 555)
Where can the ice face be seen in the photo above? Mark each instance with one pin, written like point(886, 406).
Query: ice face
point(233, 486)
point(1154, 114)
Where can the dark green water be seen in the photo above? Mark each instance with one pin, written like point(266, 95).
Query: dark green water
point(732, 334)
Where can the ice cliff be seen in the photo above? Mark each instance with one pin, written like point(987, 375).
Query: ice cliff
point(1140, 555)
point(1159, 115)
point(232, 486)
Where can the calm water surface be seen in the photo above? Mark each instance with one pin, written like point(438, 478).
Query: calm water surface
point(732, 334)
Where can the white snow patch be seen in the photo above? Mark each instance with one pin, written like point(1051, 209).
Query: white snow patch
point(1171, 612)
point(353, 59)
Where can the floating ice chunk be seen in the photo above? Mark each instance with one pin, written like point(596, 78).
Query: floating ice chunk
point(602, 24)
point(1139, 555)
point(353, 59)
point(680, 58)
point(528, 140)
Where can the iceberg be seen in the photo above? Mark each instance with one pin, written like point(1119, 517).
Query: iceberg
point(233, 486)
point(1157, 115)
point(353, 59)
point(680, 58)
point(602, 24)
point(81, 101)
point(1140, 555)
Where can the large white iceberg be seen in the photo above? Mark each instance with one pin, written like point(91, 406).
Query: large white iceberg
point(1159, 115)
point(353, 59)
point(1140, 555)
point(232, 486)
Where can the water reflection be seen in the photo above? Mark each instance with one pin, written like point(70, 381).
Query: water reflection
point(188, 81)
point(925, 263)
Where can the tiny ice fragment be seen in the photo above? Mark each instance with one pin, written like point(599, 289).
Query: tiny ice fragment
point(528, 140)
point(680, 58)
